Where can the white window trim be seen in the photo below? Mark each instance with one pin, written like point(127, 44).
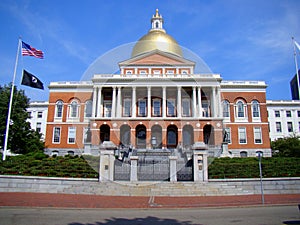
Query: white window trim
point(244, 128)
point(70, 118)
point(280, 127)
point(153, 101)
point(226, 118)
point(139, 108)
point(85, 108)
point(56, 118)
point(255, 119)
point(172, 101)
point(189, 107)
point(69, 128)
point(245, 117)
point(260, 132)
point(53, 135)
point(105, 103)
point(128, 101)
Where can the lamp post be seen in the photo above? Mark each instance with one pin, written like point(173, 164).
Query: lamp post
point(259, 154)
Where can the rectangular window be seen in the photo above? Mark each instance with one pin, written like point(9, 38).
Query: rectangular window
point(40, 115)
point(38, 127)
point(290, 126)
point(127, 107)
point(242, 135)
point(277, 113)
point(288, 113)
point(29, 115)
point(71, 135)
point(278, 127)
point(186, 107)
point(107, 109)
point(171, 107)
point(257, 135)
point(298, 112)
point(156, 107)
point(142, 108)
point(56, 135)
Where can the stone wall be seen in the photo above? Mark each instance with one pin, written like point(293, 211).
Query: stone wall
point(123, 188)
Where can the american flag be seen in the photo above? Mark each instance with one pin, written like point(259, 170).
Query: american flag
point(27, 50)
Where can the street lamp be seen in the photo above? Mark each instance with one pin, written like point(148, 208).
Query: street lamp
point(259, 154)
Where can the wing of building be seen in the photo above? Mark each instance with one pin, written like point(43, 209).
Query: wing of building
point(157, 101)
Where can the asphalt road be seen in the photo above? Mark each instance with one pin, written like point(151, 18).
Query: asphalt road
point(267, 215)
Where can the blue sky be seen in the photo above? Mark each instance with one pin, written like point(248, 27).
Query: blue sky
point(239, 39)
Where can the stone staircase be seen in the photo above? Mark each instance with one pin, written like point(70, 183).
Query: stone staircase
point(159, 189)
point(147, 188)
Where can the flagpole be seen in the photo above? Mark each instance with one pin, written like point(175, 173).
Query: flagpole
point(296, 64)
point(10, 102)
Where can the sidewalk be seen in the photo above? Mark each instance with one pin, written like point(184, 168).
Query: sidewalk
point(11, 199)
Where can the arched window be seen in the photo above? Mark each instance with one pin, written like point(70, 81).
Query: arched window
point(73, 107)
point(255, 109)
point(243, 154)
point(88, 108)
point(59, 109)
point(226, 108)
point(156, 24)
point(240, 109)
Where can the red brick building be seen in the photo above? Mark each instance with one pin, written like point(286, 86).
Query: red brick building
point(157, 101)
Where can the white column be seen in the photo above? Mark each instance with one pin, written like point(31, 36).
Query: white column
point(213, 102)
point(149, 101)
point(119, 103)
point(194, 103)
point(113, 107)
point(99, 102)
point(218, 103)
point(199, 102)
point(133, 103)
point(94, 102)
point(164, 103)
point(179, 101)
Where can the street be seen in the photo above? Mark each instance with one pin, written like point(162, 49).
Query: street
point(268, 215)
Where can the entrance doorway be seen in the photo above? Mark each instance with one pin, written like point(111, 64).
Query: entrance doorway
point(140, 135)
point(125, 135)
point(104, 133)
point(208, 134)
point(172, 136)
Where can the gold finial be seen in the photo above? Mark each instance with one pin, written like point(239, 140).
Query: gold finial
point(156, 13)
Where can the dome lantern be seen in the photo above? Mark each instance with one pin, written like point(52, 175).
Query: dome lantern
point(157, 22)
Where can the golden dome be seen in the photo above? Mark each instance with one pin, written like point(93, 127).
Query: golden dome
point(156, 39)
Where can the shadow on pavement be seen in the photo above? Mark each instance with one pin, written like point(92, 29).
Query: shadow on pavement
point(294, 222)
point(145, 221)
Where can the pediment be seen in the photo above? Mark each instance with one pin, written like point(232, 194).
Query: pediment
point(156, 57)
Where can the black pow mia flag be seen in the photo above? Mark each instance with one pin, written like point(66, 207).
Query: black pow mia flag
point(31, 80)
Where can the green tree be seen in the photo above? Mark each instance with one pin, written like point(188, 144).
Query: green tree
point(21, 139)
point(286, 147)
